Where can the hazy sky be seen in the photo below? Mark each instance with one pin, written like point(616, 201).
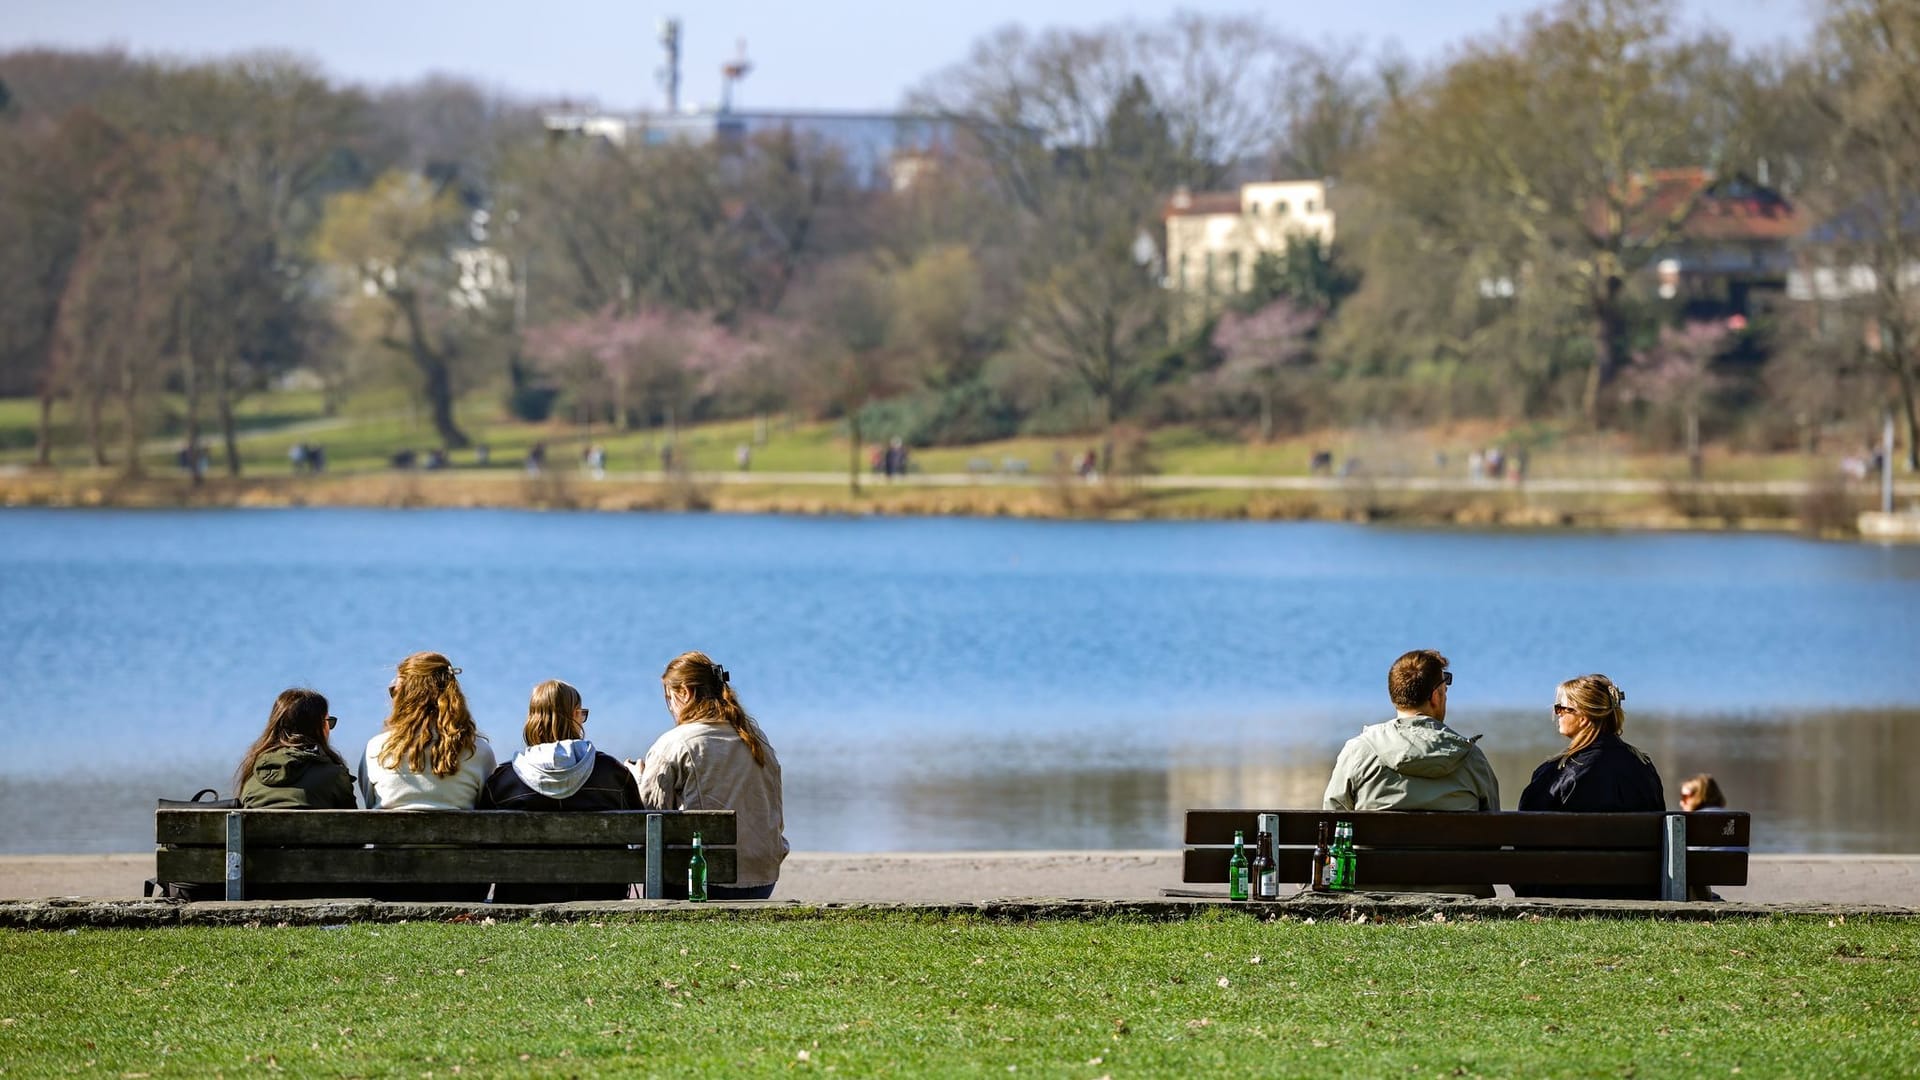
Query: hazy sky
point(839, 54)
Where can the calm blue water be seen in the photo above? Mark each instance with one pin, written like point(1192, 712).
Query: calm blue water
point(954, 683)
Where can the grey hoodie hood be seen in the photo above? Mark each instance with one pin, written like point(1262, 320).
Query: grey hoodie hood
point(555, 769)
point(1417, 746)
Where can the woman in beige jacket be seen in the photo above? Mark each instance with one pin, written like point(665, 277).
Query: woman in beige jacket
point(715, 757)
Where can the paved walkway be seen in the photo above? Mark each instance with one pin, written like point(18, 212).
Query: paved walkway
point(968, 877)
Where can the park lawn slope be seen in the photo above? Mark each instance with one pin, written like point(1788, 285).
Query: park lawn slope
point(903, 995)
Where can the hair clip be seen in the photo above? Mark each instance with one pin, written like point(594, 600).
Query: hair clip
point(722, 672)
point(455, 670)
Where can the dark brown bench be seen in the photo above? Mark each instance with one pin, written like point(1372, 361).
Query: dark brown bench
point(330, 853)
point(1666, 854)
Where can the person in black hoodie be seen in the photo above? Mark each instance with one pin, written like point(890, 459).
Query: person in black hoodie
point(1598, 772)
point(559, 770)
point(292, 765)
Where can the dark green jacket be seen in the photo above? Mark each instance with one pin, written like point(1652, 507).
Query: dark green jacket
point(295, 778)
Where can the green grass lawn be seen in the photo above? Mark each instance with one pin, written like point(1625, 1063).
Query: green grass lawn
point(863, 995)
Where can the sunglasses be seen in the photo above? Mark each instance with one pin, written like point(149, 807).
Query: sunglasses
point(583, 713)
point(1446, 678)
point(1563, 710)
point(332, 722)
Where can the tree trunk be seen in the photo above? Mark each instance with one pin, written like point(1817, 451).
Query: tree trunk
point(1266, 414)
point(1696, 468)
point(434, 368)
point(96, 437)
point(1913, 418)
point(223, 407)
point(1609, 344)
point(43, 437)
point(853, 451)
point(130, 408)
point(190, 383)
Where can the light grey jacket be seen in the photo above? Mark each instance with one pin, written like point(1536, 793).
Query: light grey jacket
point(1412, 763)
point(706, 766)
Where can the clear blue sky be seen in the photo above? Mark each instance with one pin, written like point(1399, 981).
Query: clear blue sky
point(838, 54)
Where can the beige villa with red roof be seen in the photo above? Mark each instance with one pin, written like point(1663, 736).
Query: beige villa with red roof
point(1215, 237)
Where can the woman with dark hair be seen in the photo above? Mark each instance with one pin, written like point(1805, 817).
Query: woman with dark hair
point(292, 765)
point(715, 757)
point(558, 770)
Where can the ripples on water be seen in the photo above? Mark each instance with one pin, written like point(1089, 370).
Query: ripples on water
point(942, 684)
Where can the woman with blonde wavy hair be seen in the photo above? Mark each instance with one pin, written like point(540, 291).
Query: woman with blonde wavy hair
point(715, 757)
point(1598, 771)
point(428, 755)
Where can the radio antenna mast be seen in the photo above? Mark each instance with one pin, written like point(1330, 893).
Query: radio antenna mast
point(669, 75)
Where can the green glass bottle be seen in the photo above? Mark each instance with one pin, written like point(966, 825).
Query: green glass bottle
point(1237, 868)
point(1344, 862)
point(697, 872)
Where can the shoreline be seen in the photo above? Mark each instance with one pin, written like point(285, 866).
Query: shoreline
point(1550, 504)
point(983, 876)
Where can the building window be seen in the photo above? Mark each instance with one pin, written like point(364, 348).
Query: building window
point(1280, 208)
point(1307, 207)
point(1208, 283)
point(1233, 271)
point(1253, 208)
point(1182, 278)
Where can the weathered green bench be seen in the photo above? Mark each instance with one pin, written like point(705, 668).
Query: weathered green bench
point(1664, 855)
point(320, 853)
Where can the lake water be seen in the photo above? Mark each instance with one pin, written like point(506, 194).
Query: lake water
point(957, 684)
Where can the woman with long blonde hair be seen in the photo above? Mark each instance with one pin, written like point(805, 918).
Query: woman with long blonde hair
point(715, 757)
point(1598, 771)
point(428, 755)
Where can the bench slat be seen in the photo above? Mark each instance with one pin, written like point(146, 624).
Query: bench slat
point(468, 828)
point(1507, 828)
point(1425, 867)
point(433, 866)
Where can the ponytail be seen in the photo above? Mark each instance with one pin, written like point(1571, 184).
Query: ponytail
point(742, 724)
point(713, 700)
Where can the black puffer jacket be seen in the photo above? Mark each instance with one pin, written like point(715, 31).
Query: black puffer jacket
point(1611, 776)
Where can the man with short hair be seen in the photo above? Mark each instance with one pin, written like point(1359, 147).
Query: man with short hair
point(1414, 761)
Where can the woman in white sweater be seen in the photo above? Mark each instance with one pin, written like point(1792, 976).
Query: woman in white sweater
point(715, 757)
point(428, 755)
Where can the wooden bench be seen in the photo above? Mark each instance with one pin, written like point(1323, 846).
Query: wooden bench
point(1662, 854)
point(320, 853)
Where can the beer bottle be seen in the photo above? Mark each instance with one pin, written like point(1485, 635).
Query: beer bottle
point(1237, 868)
point(1266, 881)
point(697, 872)
point(1343, 857)
point(1322, 861)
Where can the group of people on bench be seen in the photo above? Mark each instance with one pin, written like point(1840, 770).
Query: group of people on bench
point(429, 755)
point(1416, 762)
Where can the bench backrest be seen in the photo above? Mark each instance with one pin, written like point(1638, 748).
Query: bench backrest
point(1668, 851)
point(319, 850)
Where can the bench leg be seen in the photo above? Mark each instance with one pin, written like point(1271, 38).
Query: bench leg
point(236, 859)
point(656, 857)
point(1673, 876)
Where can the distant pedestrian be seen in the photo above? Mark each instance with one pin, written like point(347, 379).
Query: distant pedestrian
point(316, 458)
point(743, 456)
point(536, 458)
point(297, 456)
